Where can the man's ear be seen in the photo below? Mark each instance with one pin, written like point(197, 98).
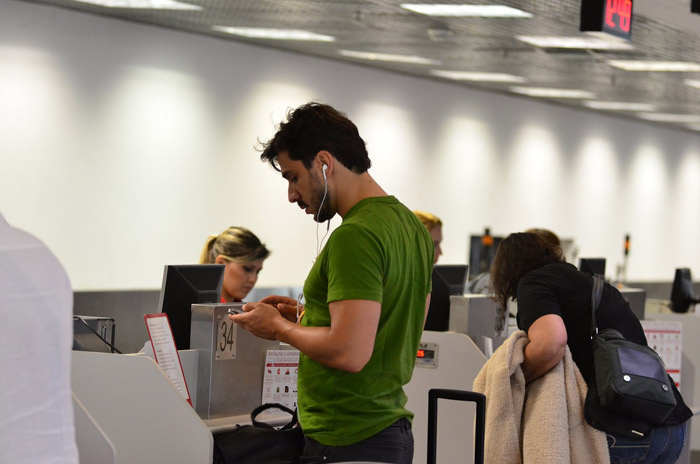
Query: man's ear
point(324, 158)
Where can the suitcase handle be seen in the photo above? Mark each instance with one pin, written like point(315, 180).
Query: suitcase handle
point(460, 395)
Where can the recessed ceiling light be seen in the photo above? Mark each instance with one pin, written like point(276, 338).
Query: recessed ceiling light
point(692, 83)
point(547, 92)
point(661, 66)
point(478, 76)
point(483, 11)
point(590, 43)
point(274, 34)
point(666, 117)
point(144, 4)
point(411, 59)
point(619, 106)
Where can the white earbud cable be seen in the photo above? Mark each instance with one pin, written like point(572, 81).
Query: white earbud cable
point(318, 213)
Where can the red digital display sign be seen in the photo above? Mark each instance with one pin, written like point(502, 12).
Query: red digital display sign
point(618, 16)
point(611, 16)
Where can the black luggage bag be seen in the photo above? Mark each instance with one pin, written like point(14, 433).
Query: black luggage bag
point(438, 393)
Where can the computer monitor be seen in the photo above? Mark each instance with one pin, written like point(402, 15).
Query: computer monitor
point(682, 291)
point(92, 333)
point(592, 266)
point(569, 248)
point(482, 250)
point(183, 286)
point(448, 279)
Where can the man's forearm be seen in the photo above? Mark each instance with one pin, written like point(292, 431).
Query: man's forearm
point(318, 344)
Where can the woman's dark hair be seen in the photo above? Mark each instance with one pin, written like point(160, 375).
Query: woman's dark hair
point(313, 127)
point(546, 234)
point(517, 255)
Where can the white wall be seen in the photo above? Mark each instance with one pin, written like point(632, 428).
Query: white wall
point(123, 146)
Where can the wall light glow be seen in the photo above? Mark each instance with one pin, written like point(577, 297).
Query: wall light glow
point(534, 176)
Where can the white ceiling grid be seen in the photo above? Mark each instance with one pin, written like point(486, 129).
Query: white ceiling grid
point(458, 44)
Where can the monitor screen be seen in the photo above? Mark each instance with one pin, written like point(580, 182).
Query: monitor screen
point(183, 286)
point(481, 253)
point(569, 248)
point(682, 291)
point(448, 279)
point(93, 334)
point(592, 266)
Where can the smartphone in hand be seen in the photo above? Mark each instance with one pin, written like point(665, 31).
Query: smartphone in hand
point(237, 308)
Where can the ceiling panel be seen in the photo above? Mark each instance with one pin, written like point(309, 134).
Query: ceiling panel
point(660, 32)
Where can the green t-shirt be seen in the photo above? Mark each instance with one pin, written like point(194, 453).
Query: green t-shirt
point(381, 252)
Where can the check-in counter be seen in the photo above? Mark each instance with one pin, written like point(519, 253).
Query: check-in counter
point(690, 375)
point(131, 413)
point(128, 412)
point(138, 412)
point(231, 363)
point(477, 316)
point(451, 360)
point(636, 297)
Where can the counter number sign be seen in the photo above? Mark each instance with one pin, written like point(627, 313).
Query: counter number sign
point(611, 16)
point(226, 337)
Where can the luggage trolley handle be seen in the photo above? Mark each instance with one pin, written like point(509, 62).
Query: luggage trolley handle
point(460, 395)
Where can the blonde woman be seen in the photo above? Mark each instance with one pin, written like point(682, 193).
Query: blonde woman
point(434, 226)
point(242, 253)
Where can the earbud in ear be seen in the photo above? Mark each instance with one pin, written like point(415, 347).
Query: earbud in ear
point(325, 166)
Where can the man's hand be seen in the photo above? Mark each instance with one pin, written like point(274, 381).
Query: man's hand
point(261, 319)
point(347, 344)
point(285, 305)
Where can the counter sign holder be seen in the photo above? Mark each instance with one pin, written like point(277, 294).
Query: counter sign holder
point(165, 352)
point(610, 16)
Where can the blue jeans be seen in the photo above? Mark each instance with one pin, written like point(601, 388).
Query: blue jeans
point(662, 446)
point(393, 445)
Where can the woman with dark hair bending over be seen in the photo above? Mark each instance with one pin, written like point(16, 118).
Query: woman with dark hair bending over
point(554, 308)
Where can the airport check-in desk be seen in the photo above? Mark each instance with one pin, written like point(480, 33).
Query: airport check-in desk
point(636, 297)
point(452, 360)
point(231, 363)
point(475, 316)
point(128, 412)
point(690, 376)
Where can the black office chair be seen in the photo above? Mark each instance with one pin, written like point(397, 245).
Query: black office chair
point(439, 393)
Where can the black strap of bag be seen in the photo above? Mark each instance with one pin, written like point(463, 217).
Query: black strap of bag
point(261, 442)
point(629, 391)
point(596, 295)
point(264, 407)
point(594, 413)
